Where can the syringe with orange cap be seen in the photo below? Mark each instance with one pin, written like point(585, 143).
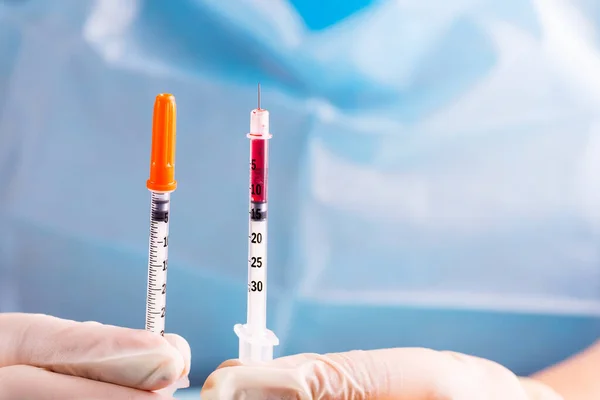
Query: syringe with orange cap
point(161, 184)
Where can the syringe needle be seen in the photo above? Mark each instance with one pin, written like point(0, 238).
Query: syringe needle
point(258, 108)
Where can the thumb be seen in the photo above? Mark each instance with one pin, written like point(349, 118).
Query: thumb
point(126, 357)
point(538, 391)
point(398, 374)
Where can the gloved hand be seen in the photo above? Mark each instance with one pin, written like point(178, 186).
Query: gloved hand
point(43, 358)
point(390, 374)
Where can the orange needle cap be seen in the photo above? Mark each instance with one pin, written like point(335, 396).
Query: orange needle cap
point(162, 161)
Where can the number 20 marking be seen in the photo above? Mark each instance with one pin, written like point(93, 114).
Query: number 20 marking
point(256, 238)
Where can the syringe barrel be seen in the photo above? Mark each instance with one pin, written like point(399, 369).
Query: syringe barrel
point(259, 170)
point(257, 268)
point(257, 234)
point(158, 261)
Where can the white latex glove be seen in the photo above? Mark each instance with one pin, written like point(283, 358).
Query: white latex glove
point(43, 358)
point(389, 374)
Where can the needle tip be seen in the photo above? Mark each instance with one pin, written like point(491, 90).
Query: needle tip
point(258, 95)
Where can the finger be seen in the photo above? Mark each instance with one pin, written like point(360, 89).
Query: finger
point(282, 362)
point(26, 382)
point(230, 363)
point(398, 374)
point(184, 349)
point(538, 391)
point(127, 357)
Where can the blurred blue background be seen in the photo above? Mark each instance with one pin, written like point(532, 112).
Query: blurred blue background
point(434, 169)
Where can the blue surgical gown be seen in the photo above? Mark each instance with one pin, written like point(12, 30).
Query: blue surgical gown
point(433, 182)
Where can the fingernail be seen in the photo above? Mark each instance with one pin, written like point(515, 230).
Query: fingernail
point(182, 383)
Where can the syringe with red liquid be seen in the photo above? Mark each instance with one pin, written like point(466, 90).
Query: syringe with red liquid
point(255, 340)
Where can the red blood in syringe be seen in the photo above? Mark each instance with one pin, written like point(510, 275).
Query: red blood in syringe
point(259, 168)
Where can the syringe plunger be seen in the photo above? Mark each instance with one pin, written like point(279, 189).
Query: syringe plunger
point(255, 346)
